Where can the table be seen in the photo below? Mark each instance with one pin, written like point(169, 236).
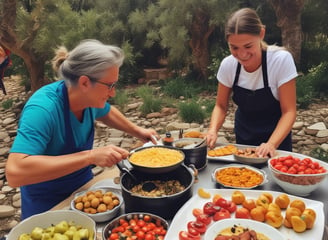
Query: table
point(204, 181)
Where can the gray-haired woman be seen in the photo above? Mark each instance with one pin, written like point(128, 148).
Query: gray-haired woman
point(262, 80)
point(52, 154)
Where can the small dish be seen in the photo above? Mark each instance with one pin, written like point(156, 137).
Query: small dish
point(239, 176)
point(100, 216)
point(258, 227)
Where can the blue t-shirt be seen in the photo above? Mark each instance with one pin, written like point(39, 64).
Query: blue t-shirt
point(41, 129)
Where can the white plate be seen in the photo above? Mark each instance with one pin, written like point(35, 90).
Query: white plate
point(184, 215)
point(258, 227)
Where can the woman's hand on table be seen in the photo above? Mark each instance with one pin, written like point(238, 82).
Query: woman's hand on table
point(107, 156)
point(266, 149)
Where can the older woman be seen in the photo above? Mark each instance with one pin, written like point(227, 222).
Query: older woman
point(52, 154)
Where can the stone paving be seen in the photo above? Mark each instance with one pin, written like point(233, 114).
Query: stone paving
point(309, 131)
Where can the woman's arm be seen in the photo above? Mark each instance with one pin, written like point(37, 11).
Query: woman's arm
point(23, 169)
point(219, 113)
point(287, 96)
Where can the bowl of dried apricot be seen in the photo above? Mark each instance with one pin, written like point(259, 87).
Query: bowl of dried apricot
point(239, 176)
point(100, 204)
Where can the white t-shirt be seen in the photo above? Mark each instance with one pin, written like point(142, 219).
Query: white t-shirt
point(280, 66)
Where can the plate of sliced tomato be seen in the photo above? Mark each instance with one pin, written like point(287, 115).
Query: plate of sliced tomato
point(198, 214)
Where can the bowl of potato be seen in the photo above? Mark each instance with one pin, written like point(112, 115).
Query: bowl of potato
point(60, 224)
point(100, 204)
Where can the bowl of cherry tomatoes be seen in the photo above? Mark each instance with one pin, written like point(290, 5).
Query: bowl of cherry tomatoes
point(136, 225)
point(297, 175)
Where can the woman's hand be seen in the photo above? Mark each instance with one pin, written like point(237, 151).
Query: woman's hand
point(147, 135)
point(266, 149)
point(211, 138)
point(107, 156)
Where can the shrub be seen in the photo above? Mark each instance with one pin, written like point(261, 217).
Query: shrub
point(319, 153)
point(121, 98)
point(149, 103)
point(180, 87)
point(191, 112)
point(304, 92)
point(7, 104)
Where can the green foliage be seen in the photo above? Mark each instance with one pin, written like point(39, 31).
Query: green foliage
point(319, 153)
point(191, 112)
point(179, 86)
point(313, 84)
point(121, 98)
point(304, 92)
point(208, 106)
point(150, 103)
point(314, 51)
point(7, 103)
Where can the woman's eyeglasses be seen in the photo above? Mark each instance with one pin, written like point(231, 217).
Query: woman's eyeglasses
point(109, 85)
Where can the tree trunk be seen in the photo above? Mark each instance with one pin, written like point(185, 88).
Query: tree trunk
point(288, 14)
point(22, 48)
point(200, 32)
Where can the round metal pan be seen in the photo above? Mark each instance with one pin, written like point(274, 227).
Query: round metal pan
point(154, 169)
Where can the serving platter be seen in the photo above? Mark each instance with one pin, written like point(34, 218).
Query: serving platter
point(184, 215)
point(231, 158)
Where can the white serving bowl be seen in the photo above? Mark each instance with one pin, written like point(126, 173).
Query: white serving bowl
point(49, 218)
point(101, 216)
point(298, 184)
point(259, 227)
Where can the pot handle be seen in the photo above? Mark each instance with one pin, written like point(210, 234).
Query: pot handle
point(194, 171)
point(124, 169)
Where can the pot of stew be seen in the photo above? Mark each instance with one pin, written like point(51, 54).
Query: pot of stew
point(172, 190)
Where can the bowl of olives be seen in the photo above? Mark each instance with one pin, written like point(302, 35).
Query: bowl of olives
point(59, 224)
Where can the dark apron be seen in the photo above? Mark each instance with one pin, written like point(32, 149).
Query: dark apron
point(40, 197)
point(258, 112)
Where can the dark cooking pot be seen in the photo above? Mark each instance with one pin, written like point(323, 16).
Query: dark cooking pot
point(193, 155)
point(156, 169)
point(165, 206)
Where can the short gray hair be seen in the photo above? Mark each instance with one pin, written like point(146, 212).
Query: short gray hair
point(90, 58)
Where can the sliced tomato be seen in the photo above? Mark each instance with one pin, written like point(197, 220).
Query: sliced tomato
point(210, 208)
point(222, 202)
point(207, 219)
point(199, 226)
point(232, 207)
point(184, 235)
point(222, 214)
point(197, 211)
